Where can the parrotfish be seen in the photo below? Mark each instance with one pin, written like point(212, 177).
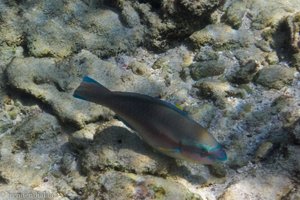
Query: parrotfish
point(160, 124)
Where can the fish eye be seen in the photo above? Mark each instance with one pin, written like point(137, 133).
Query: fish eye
point(202, 151)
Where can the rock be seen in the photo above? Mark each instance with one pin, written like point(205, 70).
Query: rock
point(12, 112)
point(116, 147)
point(67, 163)
point(35, 132)
point(263, 150)
point(238, 157)
point(214, 90)
point(51, 39)
point(118, 185)
point(265, 186)
point(257, 117)
point(170, 18)
point(284, 37)
point(287, 108)
point(203, 114)
point(294, 194)
point(221, 36)
point(187, 59)
point(47, 29)
point(293, 23)
point(206, 69)
point(7, 53)
point(296, 60)
point(205, 54)
point(264, 46)
point(235, 13)
point(11, 33)
point(66, 191)
point(84, 137)
point(130, 15)
point(261, 14)
point(240, 112)
point(217, 91)
point(44, 80)
point(104, 34)
point(296, 130)
point(3, 179)
point(244, 73)
point(139, 68)
point(217, 170)
point(250, 54)
point(294, 159)
point(275, 77)
point(161, 62)
point(7, 120)
point(196, 7)
point(280, 103)
point(184, 8)
point(28, 153)
point(272, 58)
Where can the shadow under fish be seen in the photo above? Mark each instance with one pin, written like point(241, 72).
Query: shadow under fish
point(162, 125)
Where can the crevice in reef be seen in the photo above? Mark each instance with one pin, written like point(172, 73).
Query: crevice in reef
point(27, 99)
point(24, 45)
point(281, 44)
point(30, 100)
point(3, 180)
point(171, 28)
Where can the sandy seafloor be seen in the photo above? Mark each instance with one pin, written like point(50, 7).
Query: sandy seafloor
point(232, 65)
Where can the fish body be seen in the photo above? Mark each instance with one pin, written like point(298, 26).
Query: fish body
point(162, 125)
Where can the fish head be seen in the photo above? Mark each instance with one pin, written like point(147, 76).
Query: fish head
point(204, 154)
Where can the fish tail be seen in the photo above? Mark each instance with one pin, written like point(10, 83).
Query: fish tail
point(91, 90)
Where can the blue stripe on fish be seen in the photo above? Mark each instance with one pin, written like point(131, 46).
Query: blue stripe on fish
point(87, 79)
point(215, 152)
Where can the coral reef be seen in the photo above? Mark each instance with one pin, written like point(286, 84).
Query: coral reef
point(232, 65)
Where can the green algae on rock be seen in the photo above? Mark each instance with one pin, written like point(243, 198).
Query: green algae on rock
point(206, 69)
point(138, 68)
point(123, 186)
point(218, 91)
point(215, 90)
point(221, 36)
point(244, 74)
point(194, 7)
point(275, 76)
point(261, 13)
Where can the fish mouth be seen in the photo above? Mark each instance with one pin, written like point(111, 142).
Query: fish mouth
point(218, 154)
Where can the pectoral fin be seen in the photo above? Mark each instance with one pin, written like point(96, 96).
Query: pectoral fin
point(169, 151)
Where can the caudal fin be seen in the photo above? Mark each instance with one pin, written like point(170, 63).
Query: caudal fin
point(91, 90)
